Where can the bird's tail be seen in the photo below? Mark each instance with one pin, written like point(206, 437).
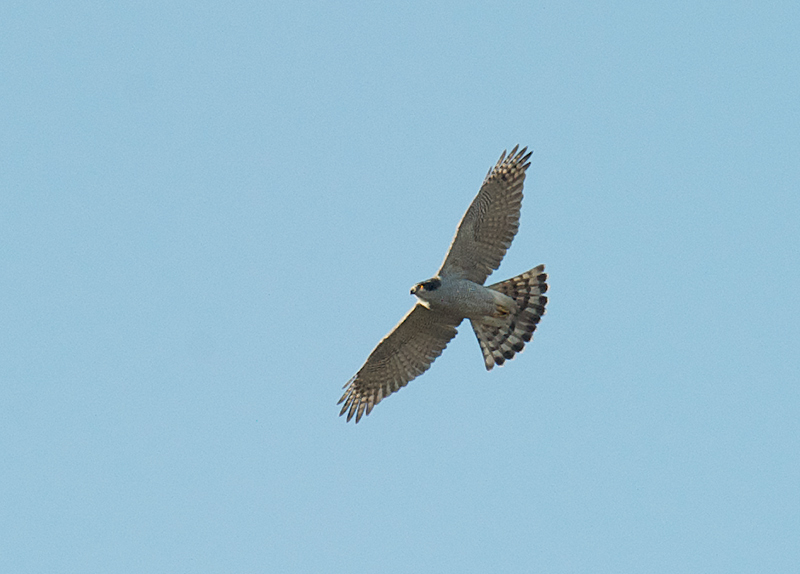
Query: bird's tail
point(500, 340)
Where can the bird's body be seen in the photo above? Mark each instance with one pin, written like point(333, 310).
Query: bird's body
point(503, 315)
point(461, 298)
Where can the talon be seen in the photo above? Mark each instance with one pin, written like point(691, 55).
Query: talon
point(501, 311)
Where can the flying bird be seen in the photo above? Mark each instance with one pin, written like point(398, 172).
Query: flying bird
point(503, 315)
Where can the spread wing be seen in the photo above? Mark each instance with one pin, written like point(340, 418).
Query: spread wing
point(491, 222)
point(401, 356)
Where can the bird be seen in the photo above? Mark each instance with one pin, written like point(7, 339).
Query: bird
point(503, 315)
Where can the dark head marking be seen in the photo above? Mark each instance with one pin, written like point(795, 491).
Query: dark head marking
point(431, 284)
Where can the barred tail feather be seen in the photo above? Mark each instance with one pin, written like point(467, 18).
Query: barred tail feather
point(501, 343)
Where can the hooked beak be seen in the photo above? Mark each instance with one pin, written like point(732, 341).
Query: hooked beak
point(414, 289)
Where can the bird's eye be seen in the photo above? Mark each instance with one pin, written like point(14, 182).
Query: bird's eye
point(431, 285)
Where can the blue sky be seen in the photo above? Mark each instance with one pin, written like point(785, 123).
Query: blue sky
point(211, 213)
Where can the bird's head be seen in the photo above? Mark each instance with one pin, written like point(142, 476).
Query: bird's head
point(421, 289)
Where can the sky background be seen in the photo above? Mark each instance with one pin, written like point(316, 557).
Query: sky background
point(211, 213)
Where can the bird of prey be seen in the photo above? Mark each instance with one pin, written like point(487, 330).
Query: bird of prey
point(503, 315)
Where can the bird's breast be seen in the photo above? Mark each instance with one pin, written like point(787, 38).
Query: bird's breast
point(462, 298)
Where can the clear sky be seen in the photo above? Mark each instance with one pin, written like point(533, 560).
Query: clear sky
point(211, 213)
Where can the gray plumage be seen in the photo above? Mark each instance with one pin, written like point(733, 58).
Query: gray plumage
point(503, 315)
